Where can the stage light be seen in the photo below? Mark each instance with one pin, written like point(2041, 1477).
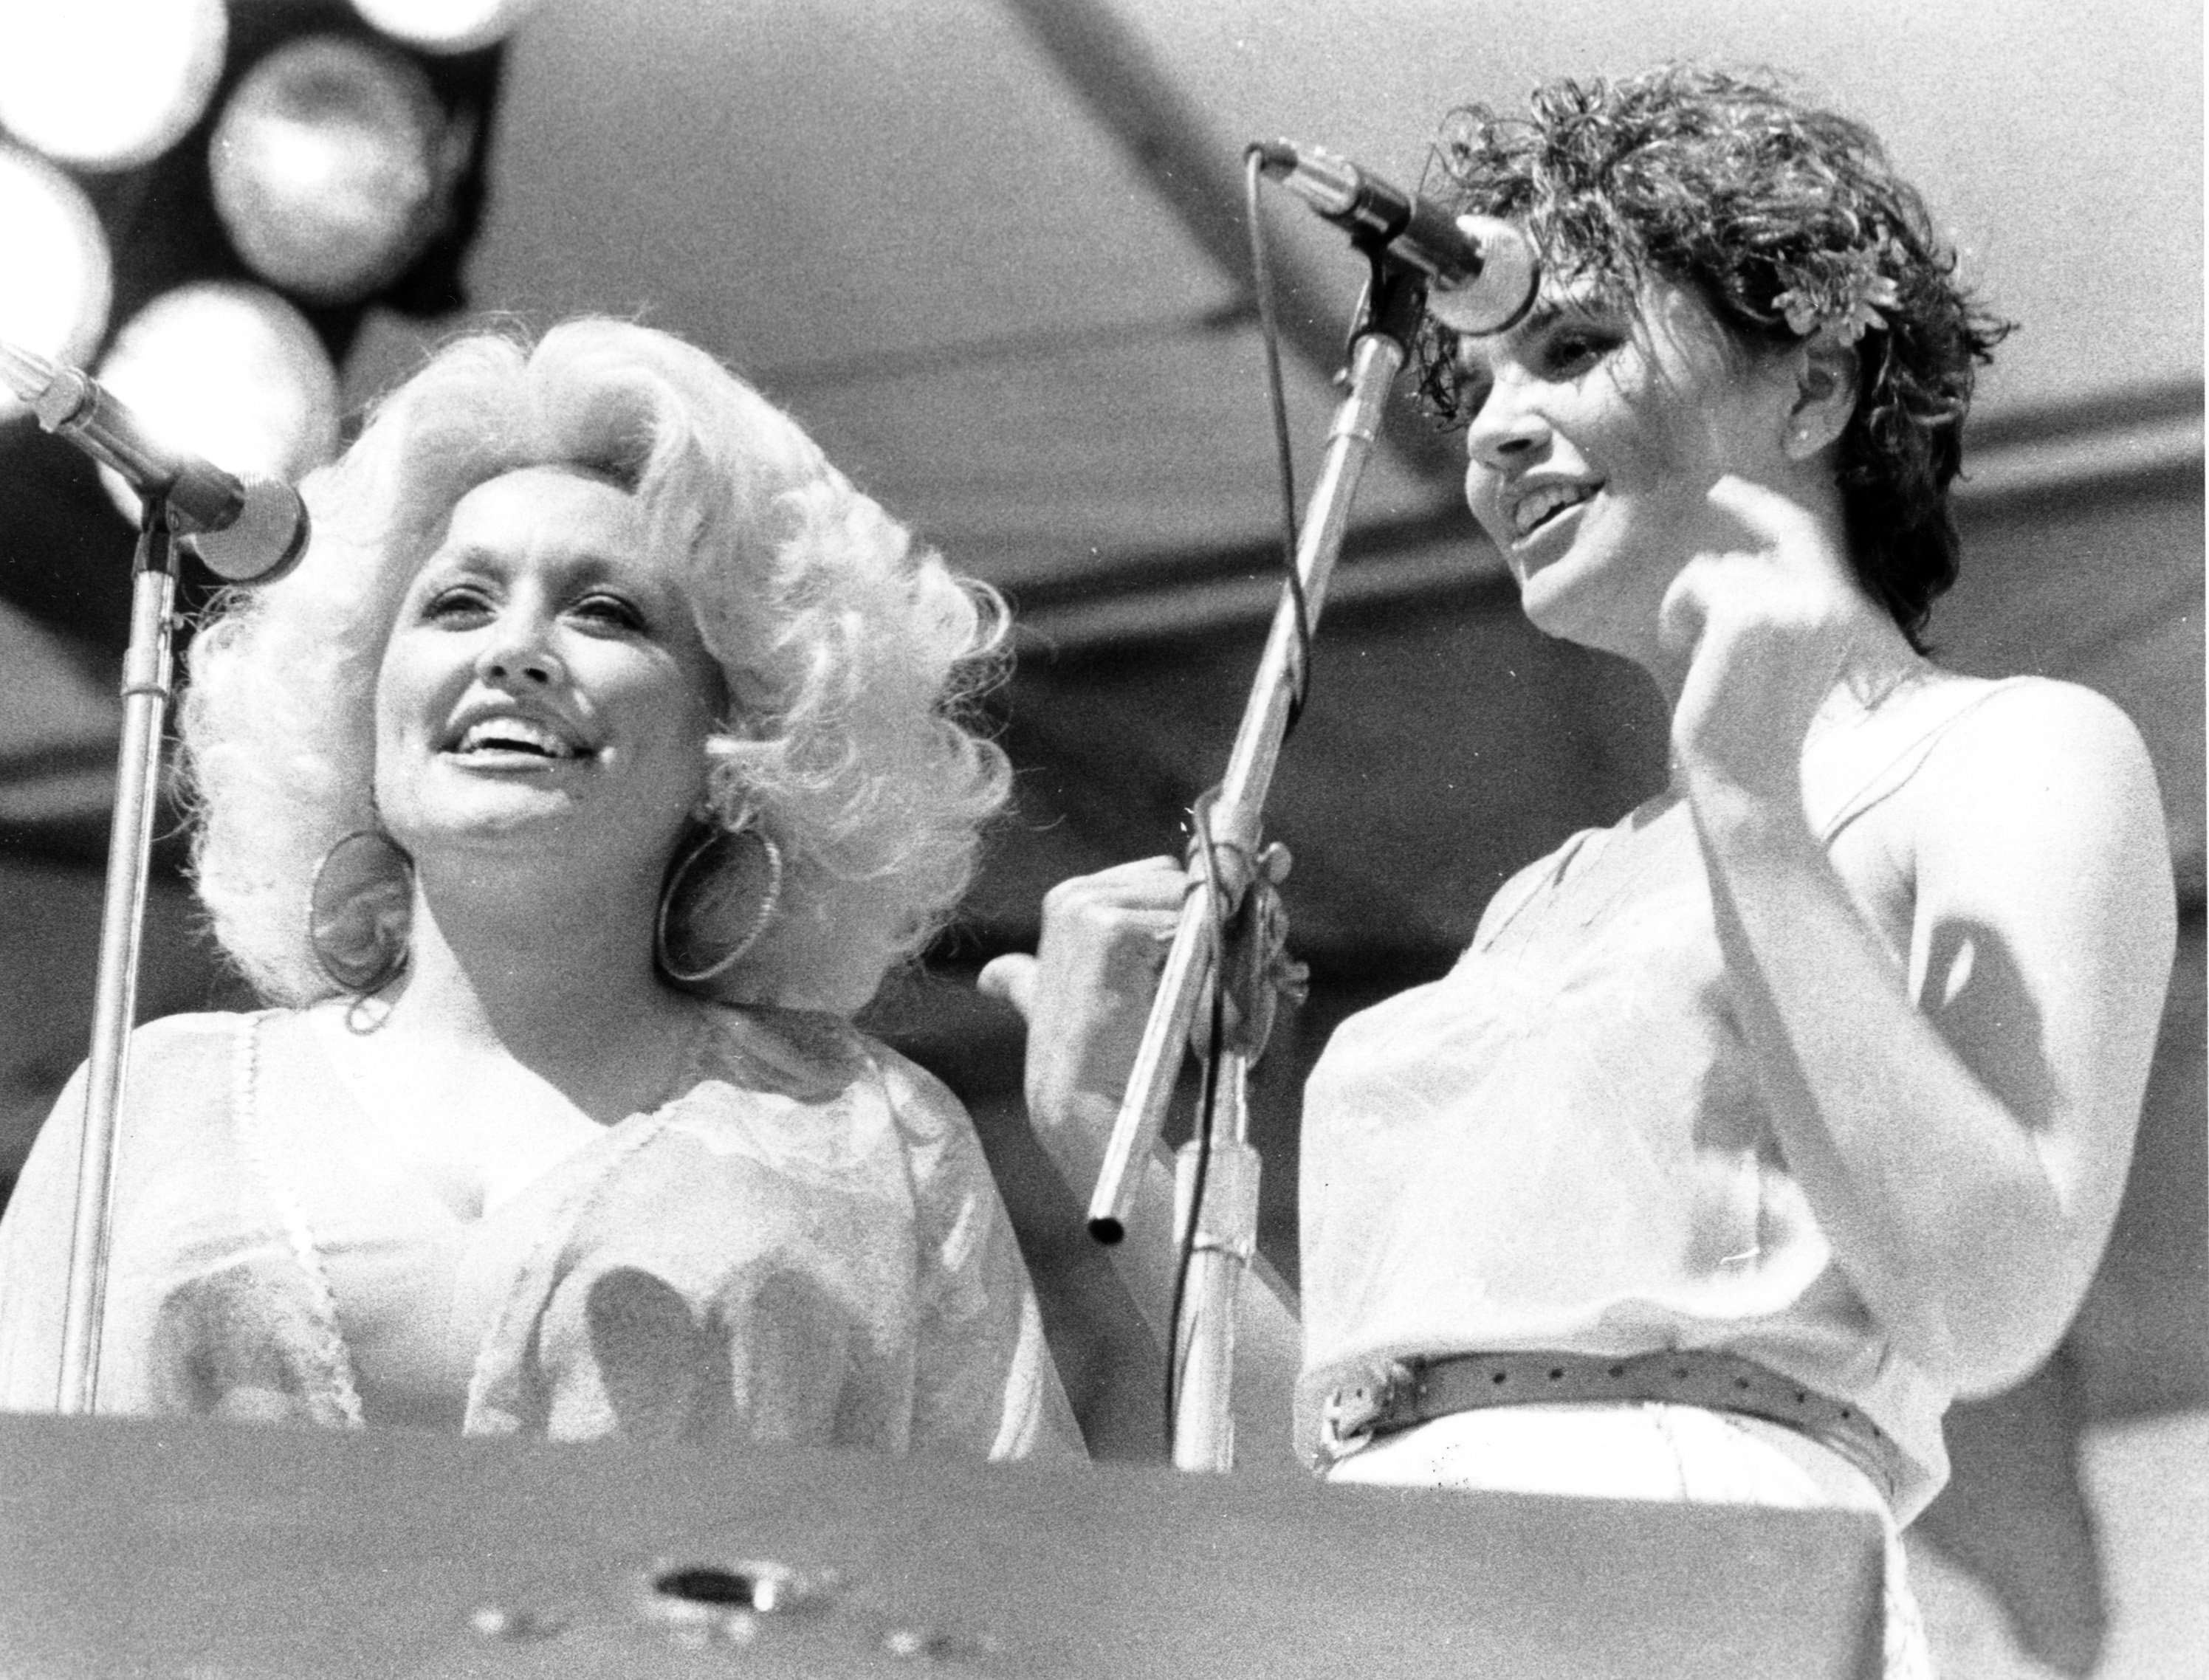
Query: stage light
point(57, 281)
point(231, 373)
point(445, 26)
point(332, 166)
point(287, 189)
point(107, 84)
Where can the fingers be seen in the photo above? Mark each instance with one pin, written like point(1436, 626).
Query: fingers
point(1012, 977)
point(1116, 919)
point(1146, 884)
point(1757, 624)
point(1764, 556)
point(1086, 994)
point(1769, 516)
point(1777, 526)
point(1685, 610)
point(1121, 912)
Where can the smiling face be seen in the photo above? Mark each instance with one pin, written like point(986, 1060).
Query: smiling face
point(1596, 433)
point(545, 681)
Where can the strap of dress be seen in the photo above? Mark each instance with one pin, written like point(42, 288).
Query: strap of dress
point(1530, 883)
point(1932, 717)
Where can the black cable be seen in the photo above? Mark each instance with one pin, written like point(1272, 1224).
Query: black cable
point(1186, 1257)
point(1216, 1031)
point(1269, 332)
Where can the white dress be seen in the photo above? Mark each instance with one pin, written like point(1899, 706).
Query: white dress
point(802, 1245)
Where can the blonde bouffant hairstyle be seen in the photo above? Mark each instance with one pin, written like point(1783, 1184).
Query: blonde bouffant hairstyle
point(850, 656)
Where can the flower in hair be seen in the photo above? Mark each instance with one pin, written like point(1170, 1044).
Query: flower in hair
point(1849, 300)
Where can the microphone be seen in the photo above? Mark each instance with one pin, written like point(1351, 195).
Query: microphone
point(1484, 270)
point(245, 530)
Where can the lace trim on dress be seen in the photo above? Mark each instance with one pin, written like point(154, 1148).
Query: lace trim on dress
point(331, 1356)
point(1892, 772)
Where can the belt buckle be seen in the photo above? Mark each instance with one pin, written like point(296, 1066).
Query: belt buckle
point(1352, 1411)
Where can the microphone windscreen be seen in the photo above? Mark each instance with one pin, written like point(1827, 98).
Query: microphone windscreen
point(264, 542)
point(1494, 299)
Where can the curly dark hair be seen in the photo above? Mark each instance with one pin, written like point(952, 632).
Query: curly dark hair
point(1784, 219)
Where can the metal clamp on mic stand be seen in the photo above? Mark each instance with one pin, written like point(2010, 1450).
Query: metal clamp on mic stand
point(249, 531)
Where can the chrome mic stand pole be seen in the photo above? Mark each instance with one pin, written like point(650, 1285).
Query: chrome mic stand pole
point(1216, 1171)
point(1226, 1228)
point(1220, 1249)
point(147, 667)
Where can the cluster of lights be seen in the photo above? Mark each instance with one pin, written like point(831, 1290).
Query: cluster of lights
point(58, 284)
point(332, 165)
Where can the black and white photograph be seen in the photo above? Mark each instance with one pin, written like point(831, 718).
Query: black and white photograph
point(1102, 837)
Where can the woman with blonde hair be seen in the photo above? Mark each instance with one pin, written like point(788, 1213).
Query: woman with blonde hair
point(599, 758)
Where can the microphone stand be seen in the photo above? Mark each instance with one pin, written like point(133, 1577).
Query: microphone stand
point(257, 530)
point(1230, 885)
point(149, 665)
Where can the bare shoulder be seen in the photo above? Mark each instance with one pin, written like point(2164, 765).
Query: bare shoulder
point(2041, 795)
point(2057, 753)
point(2043, 725)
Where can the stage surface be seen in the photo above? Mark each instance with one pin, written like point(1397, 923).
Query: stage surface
point(139, 1548)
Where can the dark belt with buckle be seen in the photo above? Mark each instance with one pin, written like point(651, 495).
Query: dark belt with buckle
point(1405, 1393)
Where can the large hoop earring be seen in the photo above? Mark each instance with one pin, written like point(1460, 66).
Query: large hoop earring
point(720, 899)
point(360, 911)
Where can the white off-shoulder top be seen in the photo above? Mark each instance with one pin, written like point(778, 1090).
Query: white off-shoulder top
point(802, 1245)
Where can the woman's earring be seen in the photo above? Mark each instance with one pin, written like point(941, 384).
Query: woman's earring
point(360, 911)
point(720, 897)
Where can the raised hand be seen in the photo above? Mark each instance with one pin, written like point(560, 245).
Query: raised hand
point(1763, 620)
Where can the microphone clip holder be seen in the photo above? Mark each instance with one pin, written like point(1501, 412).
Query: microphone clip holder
point(1400, 290)
point(1251, 964)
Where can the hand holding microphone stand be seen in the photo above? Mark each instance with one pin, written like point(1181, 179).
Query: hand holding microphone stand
point(246, 532)
point(1231, 932)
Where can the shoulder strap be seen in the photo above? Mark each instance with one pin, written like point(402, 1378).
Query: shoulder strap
point(1538, 877)
point(1889, 756)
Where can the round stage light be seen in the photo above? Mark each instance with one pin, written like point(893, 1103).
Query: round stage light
point(445, 26)
point(333, 167)
point(108, 84)
point(57, 281)
point(231, 373)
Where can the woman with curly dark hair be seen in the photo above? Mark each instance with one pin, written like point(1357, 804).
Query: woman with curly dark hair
point(1753, 1129)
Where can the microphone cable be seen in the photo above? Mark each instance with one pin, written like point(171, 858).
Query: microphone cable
point(1269, 332)
point(1216, 1033)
